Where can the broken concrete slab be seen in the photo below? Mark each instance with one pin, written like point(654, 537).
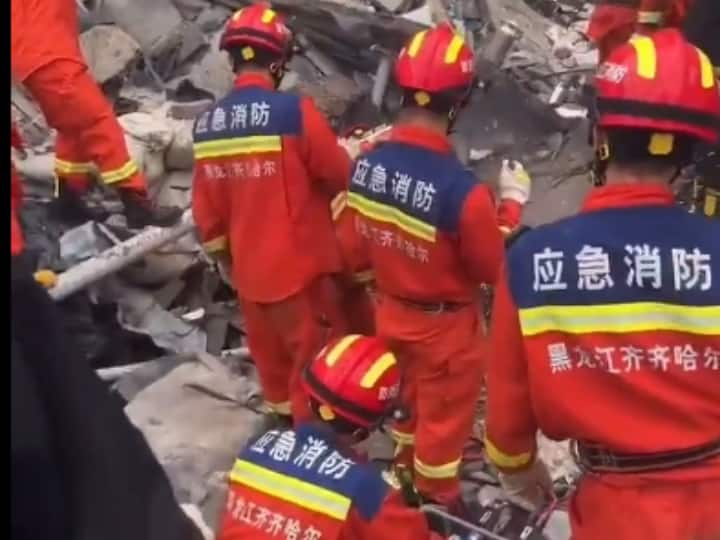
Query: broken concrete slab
point(147, 137)
point(109, 52)
point(194, 434)
point(213, 73)
point(333, 95)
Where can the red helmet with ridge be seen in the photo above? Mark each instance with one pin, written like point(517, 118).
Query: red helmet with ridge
point(354, 378)
point(435, 61)
point(257, 26)
point(659, 83)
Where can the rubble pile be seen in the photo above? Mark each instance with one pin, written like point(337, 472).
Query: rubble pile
point(165, 318)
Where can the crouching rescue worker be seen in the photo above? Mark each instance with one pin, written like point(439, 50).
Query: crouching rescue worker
point(267, 166)
point(606, 327)
point(431, 234)
point(46, 58)
point(307, 483)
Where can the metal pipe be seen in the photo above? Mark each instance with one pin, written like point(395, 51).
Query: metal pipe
point(118, 257)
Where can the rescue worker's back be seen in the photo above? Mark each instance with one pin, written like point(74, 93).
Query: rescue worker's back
point(271, 185)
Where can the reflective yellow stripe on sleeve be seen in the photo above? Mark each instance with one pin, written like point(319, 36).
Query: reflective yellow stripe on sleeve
point(366, 276)
point(120, 174)
point(279, 408)
point(338, 204)
point(71, 167)
point(390, 214)
point(621, 318)
point(238, 145)
point(292, 490)
point(216, 244)
point(506, 461)
point(404, 439)
point(446, 470)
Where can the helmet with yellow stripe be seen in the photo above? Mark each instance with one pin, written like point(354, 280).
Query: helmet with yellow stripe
point(656, 97)
point(256, 33)
point(435, 69)
point(353, 383)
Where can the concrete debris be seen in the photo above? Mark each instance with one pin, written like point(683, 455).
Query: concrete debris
point(213, 73)
point(81, 243)
point(147, 137)
point(139, 312)
point(109, 52)
point(173, 414)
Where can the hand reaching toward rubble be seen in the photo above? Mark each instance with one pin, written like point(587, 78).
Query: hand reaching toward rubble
point(529, 488)
point(514, 182)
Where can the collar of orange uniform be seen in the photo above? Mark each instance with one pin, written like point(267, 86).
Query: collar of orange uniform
point(624, 195)
point(254, 79)
point(419, 136)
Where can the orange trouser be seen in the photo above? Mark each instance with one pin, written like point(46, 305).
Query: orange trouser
point(442, 361)
point(645, 510)
point(46, 58)
point(283, 336)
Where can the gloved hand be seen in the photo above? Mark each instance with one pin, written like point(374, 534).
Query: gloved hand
point(514, 182)
point(46, 278)
point(352, 146)
point(528, 488)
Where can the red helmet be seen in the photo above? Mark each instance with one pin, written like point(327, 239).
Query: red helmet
point(355, 378)
point(435, 61)
point(659, 83)
point(257, 25)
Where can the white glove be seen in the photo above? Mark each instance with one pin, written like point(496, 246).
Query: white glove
point(529, 488)
point(351, 145)
point(514, 182)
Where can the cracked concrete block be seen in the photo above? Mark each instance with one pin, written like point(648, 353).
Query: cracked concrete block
point(109, 52)
point(179, 154)
point(155, 26)
point(195, 435)
point(147, 137)
point(213, 73)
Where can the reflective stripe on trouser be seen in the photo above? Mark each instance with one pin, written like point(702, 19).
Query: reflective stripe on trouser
point(88, 131)
point(448, 356)
point(282, 336)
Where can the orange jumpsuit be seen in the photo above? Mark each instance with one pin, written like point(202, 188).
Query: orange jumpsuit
point(267, 166)
point(606, 330)
point(430, 233)
point(357, 302)
point(46, 58)
point(613, 22)
point(303, 485)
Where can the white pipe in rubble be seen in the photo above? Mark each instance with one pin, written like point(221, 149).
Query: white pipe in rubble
point(118, 257)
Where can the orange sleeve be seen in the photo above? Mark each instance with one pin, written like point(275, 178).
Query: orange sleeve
point(208, 218)
point(508, 215)
point(481, 242)
point(510, 422)
point(353, 249)
point(395, 520)
point(326, 161)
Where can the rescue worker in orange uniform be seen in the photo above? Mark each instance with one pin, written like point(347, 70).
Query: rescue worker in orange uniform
point(308, 483)
point(606, 326)
point(431, 234)
point(267, 166)
point(46, 58)
point(613, 22)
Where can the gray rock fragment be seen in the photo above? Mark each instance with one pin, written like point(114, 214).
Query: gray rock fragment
point(109, 51)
